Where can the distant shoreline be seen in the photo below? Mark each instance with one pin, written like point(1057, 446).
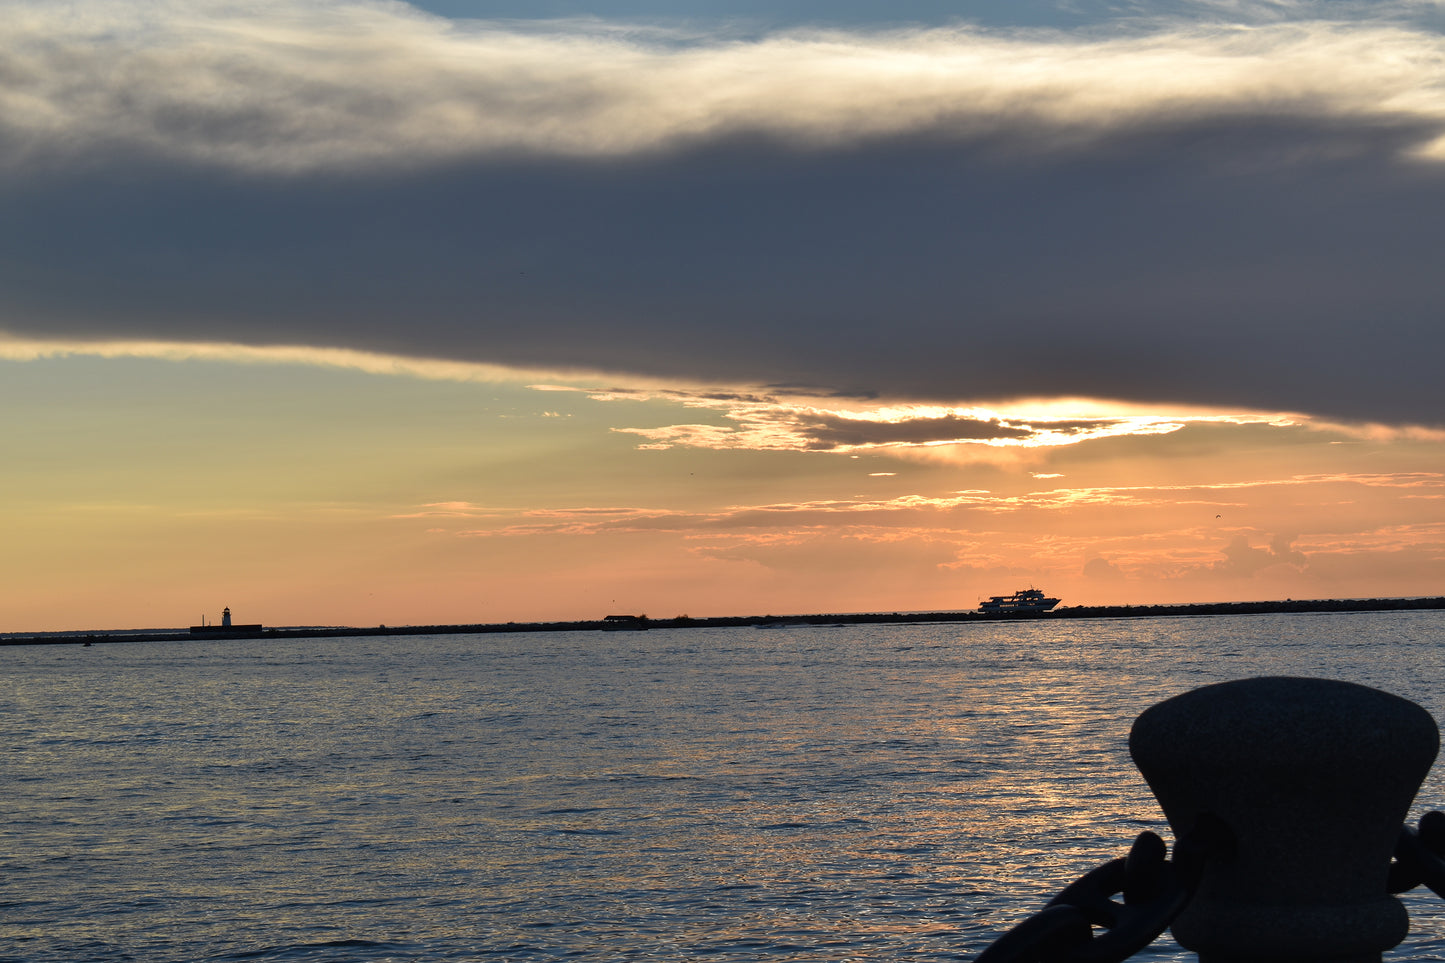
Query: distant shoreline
point(755, 621)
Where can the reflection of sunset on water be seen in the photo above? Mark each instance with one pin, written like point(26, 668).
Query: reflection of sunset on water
point(847, 792)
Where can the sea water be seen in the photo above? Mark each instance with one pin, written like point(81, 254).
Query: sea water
point(853, 792)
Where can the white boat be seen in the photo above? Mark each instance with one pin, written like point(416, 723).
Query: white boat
point(1024, 600)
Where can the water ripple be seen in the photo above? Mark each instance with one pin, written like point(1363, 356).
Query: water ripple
point(859, 793)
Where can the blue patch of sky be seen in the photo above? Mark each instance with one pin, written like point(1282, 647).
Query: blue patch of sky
point(769, 15)
point(786, 13)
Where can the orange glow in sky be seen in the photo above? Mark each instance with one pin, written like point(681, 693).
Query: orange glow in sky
point(149, 489)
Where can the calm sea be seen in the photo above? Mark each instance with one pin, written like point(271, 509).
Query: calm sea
point(855, 792)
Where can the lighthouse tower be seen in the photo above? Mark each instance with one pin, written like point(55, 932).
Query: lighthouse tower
point(226, 618)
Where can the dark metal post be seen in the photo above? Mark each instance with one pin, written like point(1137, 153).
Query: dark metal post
point(1314, 779)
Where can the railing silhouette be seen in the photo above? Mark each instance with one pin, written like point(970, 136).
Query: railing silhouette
point(1287, 798)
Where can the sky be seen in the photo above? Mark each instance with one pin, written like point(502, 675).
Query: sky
point(356, 312)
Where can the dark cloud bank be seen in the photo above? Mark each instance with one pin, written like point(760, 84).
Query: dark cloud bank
point(1280, 263)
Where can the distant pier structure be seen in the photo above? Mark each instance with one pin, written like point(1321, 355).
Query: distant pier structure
point(613, 623)
point(226, 627)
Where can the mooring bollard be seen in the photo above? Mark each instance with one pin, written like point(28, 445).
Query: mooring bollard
point(1287, 798)
point(1314, 779)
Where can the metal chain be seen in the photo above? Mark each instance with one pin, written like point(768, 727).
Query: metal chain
point(1155, 890)
point(1420, 856)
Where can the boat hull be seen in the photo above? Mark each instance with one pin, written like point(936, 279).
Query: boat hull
point(1026, 600)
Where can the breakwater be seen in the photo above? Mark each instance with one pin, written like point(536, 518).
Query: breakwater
point(640, 623)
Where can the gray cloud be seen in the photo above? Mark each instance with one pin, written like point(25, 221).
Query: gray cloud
point(1210, 216)
point(1102, 569)
point(832, 431)
point(1240, 558)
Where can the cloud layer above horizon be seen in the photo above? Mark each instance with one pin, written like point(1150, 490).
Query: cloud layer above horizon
point(1241, 214)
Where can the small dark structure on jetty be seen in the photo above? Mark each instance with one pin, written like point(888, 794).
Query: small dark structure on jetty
point(226, 628)
point(617, 622)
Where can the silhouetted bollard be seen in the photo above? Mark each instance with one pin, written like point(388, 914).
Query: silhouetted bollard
point(1314, 778)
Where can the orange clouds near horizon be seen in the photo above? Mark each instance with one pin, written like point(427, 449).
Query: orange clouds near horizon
point(145, 492)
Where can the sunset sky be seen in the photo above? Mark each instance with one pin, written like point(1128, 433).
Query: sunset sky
point(343, 312)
